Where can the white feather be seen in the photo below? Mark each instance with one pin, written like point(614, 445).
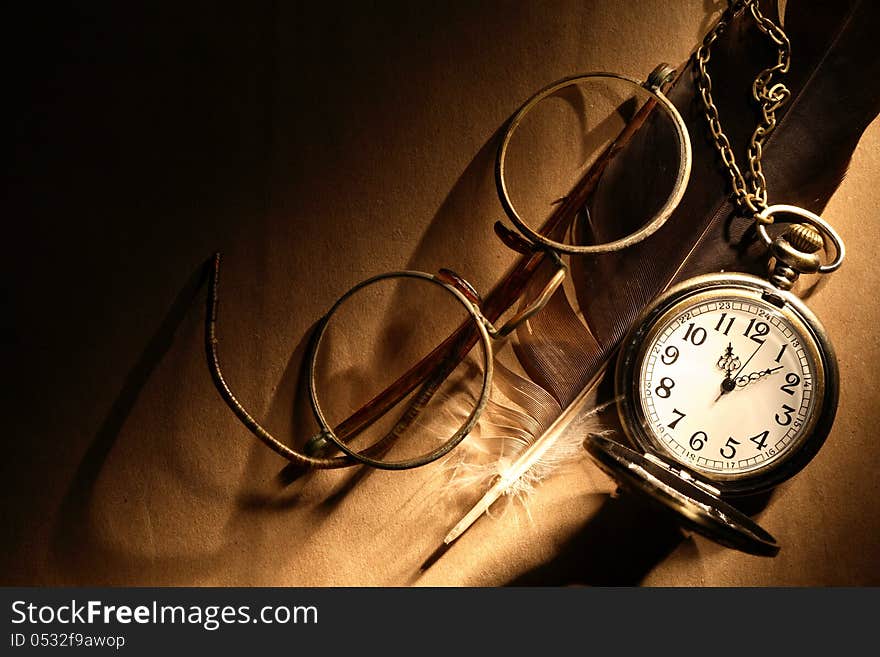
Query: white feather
point(522, 438)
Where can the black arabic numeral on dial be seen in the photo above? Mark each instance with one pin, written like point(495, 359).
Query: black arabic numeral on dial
point(781, 351)
point(721, 323)
point(791, 380)
point(761, 439)
point(761, 329)
point(698, 440)
point(665, 389)
point(670, 355)
point(786, 420)
point(729, 445)
point(680, 415)
point(696, 334)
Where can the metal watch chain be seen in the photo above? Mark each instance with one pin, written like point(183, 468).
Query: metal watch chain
point(795, 251)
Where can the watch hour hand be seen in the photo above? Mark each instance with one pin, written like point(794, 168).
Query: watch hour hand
point(746, 379)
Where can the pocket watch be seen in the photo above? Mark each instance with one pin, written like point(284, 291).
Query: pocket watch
point(727, 385)
point(731, 376)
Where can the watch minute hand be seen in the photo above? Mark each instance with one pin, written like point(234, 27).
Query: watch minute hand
point(728, 361)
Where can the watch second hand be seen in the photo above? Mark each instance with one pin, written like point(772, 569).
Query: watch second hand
point(750, 357)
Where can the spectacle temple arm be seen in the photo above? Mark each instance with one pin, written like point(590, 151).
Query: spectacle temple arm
point(226, 393)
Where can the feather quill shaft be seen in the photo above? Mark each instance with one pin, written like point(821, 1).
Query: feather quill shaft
point(532, 455)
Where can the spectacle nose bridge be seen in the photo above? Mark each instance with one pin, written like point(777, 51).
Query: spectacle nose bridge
point(535, 306)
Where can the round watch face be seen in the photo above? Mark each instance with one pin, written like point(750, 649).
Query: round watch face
point(730, 381)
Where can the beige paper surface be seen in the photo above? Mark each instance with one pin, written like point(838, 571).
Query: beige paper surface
point(315, 147)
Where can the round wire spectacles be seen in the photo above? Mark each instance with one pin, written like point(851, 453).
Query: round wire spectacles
point(422, 382)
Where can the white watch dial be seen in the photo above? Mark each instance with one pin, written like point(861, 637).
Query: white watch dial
point(727, 385)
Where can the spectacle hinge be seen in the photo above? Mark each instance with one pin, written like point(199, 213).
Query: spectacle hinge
point(451, 278)
point(513, 239)
point(661, 74)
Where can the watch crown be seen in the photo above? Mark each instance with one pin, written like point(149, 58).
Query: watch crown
point(795, 254)
point(804, 238)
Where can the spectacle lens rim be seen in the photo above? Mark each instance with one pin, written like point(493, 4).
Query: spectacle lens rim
point(488, 357)
point(648, 228)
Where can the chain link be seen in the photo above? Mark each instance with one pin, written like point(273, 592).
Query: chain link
point(751, 192)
